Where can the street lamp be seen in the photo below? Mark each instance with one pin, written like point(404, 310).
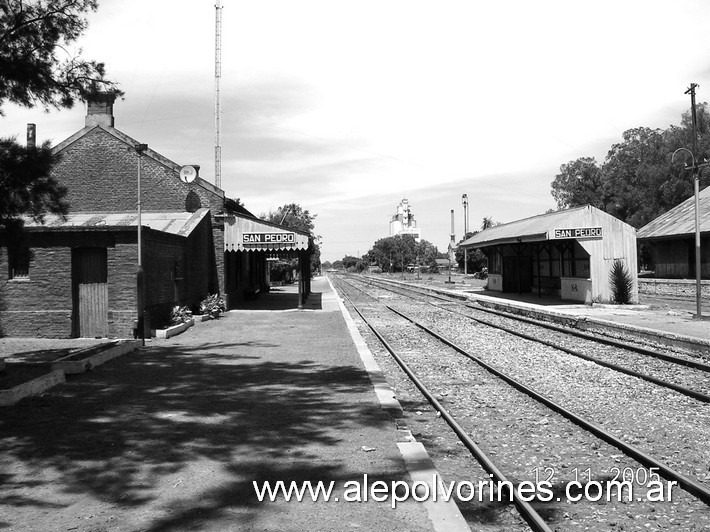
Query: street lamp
point(140, 275)
point(464, 200)
point(698, 264)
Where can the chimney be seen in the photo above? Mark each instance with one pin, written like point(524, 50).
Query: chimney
point(100, 109)
point(31, 135)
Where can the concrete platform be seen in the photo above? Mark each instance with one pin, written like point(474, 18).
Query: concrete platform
point(176, 436)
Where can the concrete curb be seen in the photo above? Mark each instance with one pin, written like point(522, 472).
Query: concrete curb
point(74, 367)
point(172, 331)
point(33, 387)
point(445, 516)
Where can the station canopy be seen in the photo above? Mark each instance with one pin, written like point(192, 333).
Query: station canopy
point(242, 233)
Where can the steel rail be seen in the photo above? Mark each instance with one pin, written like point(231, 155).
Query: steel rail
point(581, 334)
point(700, 396)
point(526, 510)
point(689, 484)
point(608, 341)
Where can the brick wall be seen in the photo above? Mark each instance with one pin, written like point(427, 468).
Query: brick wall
point(673, 288)
point(43, 305)
point(101, 173)
point(40, 305)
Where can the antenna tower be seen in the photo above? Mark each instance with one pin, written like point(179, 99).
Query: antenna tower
point(217, 109)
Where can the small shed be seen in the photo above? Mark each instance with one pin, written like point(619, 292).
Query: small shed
point(567, 254)
point(671, 239)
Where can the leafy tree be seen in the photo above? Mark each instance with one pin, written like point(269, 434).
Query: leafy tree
point(579, 183)
point(350, 262)
point(487, 223)
point(293, 216)
point(637, 182)
point(26, 186)
point(36, 66)
point(394, 253)
point(32, 34)
point(475, 258)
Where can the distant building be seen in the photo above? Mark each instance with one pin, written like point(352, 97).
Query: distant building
point(403, 222)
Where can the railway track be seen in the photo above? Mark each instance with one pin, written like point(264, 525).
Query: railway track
point(625, 357)
point(553, 438)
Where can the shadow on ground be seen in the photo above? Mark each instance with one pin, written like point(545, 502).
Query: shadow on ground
point(120, 434)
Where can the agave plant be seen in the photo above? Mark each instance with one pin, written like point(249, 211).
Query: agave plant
point(621, 283)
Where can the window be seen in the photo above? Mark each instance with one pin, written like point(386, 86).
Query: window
point(19, 259)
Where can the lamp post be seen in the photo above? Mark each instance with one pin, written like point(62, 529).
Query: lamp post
point(464, 200)
point(452, 246)
point(140, 275)
point(698, 263)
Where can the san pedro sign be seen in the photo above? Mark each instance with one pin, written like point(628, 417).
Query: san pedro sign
point(268, 238)
point(576, 232)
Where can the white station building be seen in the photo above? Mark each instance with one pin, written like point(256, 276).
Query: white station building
point(567, 254)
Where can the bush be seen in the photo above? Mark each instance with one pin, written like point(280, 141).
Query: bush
point(213, 306)
point(180, 315)
point(622, 283)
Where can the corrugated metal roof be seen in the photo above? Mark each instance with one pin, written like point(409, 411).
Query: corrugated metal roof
point(679, 220)
point(533, 229)
point(175, 223)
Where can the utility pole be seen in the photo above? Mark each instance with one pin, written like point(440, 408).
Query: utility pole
point(696, 186)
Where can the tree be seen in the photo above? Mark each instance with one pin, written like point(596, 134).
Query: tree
point(26, 186)
point(579, 183)
point(33, 35)
point(637, 182)
point(293, 216)
point(394, 253)
point(475, 258)
point(487, 223)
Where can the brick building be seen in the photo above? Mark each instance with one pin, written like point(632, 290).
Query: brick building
point(76, 277)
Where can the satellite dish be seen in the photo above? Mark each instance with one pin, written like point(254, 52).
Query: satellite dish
point(188, 174)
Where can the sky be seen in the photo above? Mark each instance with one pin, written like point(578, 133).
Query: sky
point(348, 107)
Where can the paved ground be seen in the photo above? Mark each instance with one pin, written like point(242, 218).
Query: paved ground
point(172, 436)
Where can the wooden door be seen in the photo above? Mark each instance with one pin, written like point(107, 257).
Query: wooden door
point(91, 293)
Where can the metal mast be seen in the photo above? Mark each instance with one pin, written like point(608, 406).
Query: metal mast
point(217, 109)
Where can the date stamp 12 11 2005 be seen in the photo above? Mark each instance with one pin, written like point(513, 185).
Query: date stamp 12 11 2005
point(620, 484)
